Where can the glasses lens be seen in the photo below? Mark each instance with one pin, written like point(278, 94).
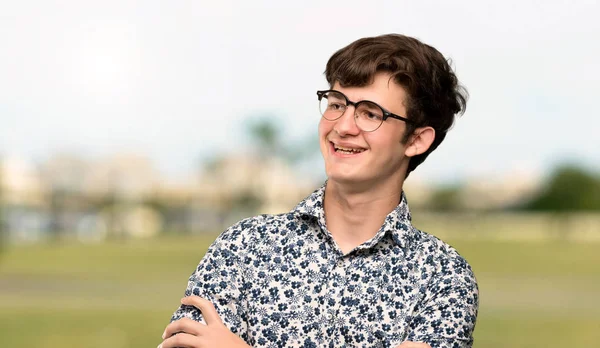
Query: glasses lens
point(369, 116)
point(332, 105)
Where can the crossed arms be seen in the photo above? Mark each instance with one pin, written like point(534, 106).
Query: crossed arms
point(216, 310)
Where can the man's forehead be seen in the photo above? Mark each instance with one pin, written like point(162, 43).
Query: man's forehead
point(374, 93)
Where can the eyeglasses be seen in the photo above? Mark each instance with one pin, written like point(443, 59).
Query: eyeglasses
point(368, 115)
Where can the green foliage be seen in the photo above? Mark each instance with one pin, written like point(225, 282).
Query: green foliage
point(266, 135)
point(246, 201)
point(569, 188)
point(445, 198)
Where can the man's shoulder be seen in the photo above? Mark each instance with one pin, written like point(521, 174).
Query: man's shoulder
point(443, 257)
point(260, 228)
point(434, 245)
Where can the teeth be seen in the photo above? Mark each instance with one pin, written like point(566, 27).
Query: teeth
point(347, 150)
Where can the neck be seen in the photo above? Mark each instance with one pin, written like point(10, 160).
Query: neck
point(354, 216)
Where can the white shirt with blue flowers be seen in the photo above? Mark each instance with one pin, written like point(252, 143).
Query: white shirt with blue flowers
point(281, 281)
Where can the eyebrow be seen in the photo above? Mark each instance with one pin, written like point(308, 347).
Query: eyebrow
point(369, 100)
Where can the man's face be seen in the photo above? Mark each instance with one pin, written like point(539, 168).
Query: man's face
point(378, 155)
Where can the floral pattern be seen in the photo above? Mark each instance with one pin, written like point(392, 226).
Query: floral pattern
point(280, 280)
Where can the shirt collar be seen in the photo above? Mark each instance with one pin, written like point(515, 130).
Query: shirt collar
point(397, 222)
point(312, 206)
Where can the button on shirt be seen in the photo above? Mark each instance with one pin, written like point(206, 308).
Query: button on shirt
point(282, 281)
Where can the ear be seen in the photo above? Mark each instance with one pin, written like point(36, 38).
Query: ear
point(420, 141)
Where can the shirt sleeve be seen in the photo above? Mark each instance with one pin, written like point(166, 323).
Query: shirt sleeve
point(218, 278)
point(447, 315)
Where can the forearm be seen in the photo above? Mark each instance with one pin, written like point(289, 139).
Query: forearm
point(442, 342)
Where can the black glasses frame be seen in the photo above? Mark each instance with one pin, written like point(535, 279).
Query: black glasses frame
point(386, 114)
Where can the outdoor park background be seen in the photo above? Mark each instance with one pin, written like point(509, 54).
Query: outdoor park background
point(132, 133)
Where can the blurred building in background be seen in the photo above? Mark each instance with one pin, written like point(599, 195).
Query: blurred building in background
point(22, 200)
point(476, 193)
point(123, 196)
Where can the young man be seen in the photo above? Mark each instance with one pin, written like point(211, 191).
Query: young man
point(346, 267)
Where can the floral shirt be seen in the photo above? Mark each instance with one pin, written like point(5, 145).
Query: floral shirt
point(281, 280)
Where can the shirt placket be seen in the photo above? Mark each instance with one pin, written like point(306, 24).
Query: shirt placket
point(336, 283)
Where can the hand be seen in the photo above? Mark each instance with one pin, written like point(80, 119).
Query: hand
point(409, 344)
point(192, 334)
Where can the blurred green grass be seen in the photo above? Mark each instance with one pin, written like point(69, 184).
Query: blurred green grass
point(541, 294)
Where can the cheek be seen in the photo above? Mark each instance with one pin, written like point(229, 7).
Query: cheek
point(323, 133)
point(324, 127)
point(388, 147)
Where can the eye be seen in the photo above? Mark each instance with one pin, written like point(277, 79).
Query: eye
point(369, 112)
point(336, 106)
point(373, 116)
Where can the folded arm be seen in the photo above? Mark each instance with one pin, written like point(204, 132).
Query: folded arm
point(447, 316)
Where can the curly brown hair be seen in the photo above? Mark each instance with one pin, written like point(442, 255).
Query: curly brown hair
point(434, 96)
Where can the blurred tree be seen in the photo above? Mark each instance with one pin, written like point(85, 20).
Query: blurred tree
point(266, 140)
point(63, 175)
point(570, 188)
point(246, 201)
point(265, 132)
point(266, 135)
point(446, 198)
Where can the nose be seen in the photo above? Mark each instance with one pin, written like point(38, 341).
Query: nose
point(346, 124)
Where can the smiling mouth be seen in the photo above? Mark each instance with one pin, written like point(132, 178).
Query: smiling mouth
point(346, 150)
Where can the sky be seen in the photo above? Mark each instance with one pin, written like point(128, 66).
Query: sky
point(178, 80)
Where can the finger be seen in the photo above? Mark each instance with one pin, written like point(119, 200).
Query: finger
point(183, 325)
point(206, 307)
point(182, 340)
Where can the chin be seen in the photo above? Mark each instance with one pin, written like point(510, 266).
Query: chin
point(346, 178)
